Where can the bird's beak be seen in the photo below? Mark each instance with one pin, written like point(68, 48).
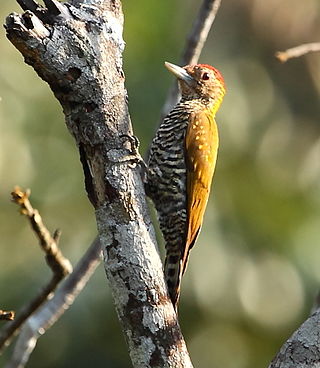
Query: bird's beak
point(179, 72)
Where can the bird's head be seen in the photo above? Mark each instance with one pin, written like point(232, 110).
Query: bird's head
point(199, 81)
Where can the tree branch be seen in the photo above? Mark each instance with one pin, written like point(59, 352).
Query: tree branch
point(194, 45)
point(79, 54)
point(59, 265)
point(200, 31)
point(297, 51)
point(303, 348)
point(53, 309)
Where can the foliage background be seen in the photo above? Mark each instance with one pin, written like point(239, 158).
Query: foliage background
point(255, 271)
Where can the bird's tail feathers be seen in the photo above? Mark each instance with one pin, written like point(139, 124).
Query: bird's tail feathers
point(173, 269)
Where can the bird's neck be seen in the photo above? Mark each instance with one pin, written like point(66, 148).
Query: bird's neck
point(199, 104)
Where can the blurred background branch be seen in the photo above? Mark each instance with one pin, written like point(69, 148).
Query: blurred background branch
point(297, 51)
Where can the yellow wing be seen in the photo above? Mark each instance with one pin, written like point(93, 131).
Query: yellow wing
point(201, 145)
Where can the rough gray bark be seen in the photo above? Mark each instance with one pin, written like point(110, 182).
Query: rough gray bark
point(302, 349)
point(77, 48)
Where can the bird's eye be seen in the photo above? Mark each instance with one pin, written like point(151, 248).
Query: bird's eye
point(205, 76)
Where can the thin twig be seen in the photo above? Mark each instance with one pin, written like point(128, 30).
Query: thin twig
point(55, 259)
point(59, 265)
point(194, 45)
point(54, 308)
point(297, 51)
point(6, 315)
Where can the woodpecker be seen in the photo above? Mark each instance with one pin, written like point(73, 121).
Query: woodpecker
point(181, 165)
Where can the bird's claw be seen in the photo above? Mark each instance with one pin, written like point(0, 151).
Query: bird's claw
point(134, 157)
point(134, 142)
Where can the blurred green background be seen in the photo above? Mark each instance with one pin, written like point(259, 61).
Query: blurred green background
point(255, 271)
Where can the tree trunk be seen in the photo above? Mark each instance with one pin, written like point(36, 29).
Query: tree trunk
point(76, 47)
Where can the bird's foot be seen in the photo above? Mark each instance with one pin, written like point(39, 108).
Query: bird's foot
point(134, 157)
